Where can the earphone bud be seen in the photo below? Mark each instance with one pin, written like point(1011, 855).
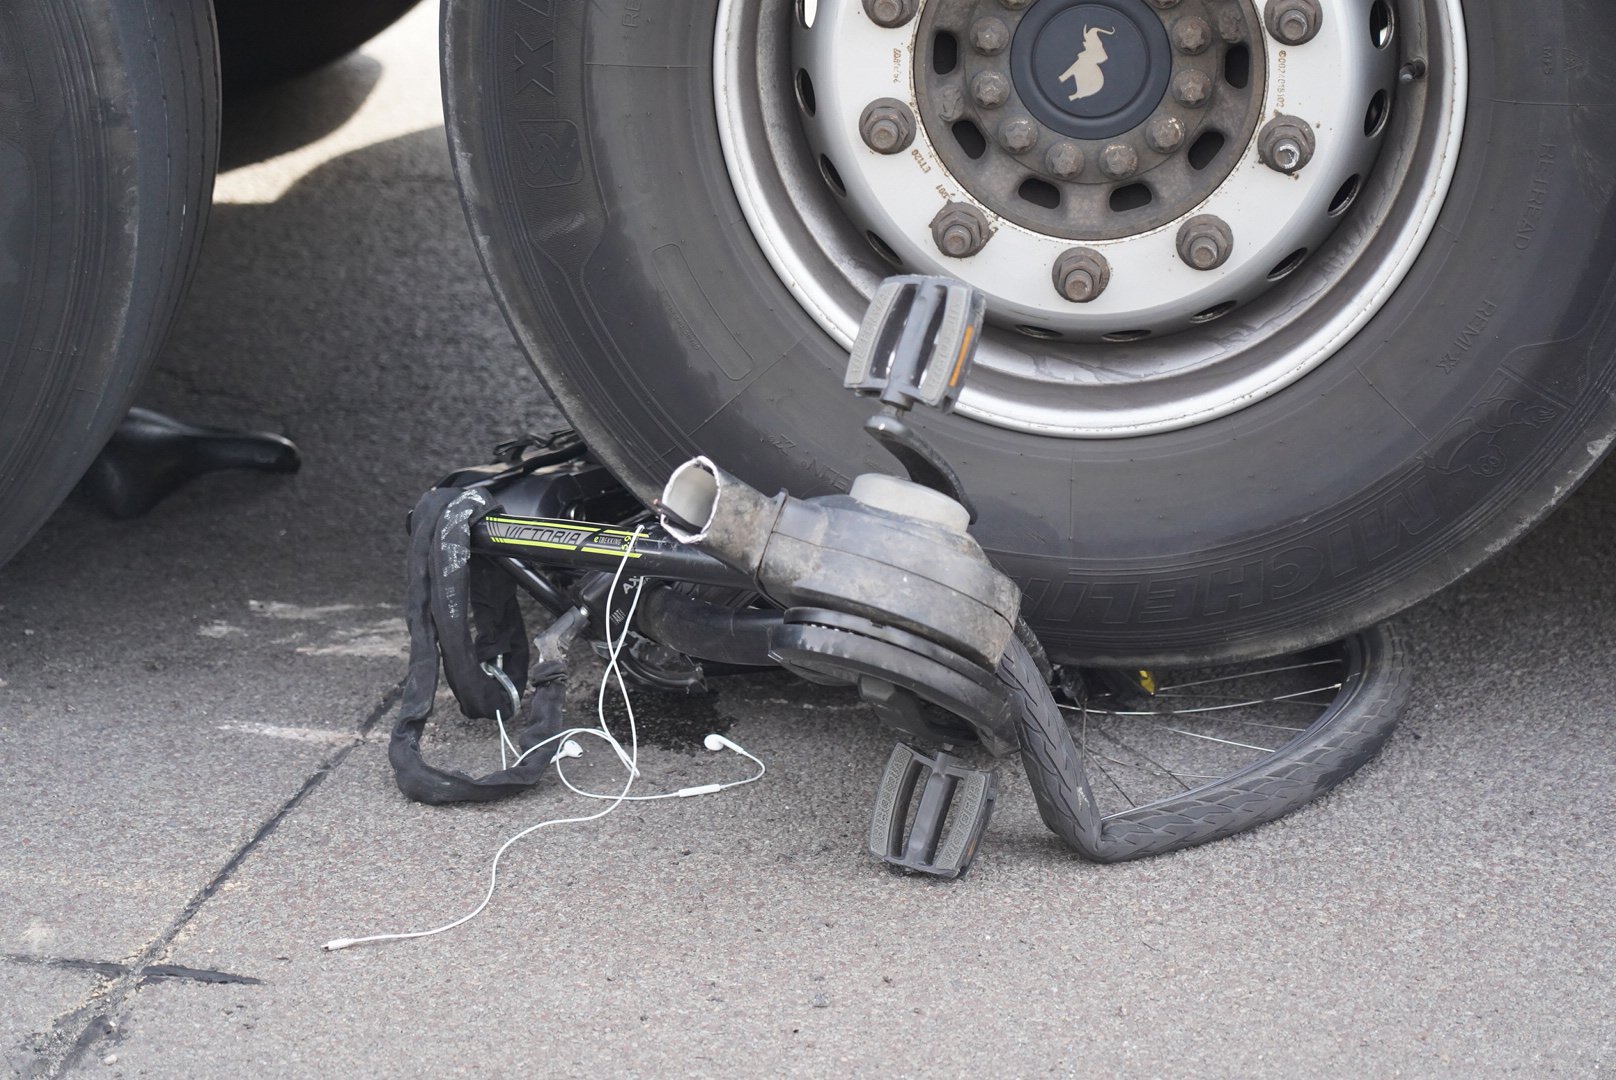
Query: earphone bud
point(716, 741)
point(569, 749)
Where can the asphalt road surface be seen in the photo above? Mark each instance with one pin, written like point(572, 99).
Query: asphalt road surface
point(194, 793)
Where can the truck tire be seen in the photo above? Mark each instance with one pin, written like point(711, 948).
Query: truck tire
point(262, 42)
point(1410, 363)
point(108, 138)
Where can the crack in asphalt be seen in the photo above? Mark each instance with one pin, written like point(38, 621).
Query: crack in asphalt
point(92, 1021)
point(113, 968)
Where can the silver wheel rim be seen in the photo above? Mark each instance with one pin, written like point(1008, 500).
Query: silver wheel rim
point(1165, 346)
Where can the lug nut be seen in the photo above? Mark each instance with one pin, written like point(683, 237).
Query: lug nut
point(950, 103)
point(990, 89)
point(1119, 161)
point(1192, 88)
point(1192, 35)
point(1204, 242)
point(1081, 274)
point(1231, 27)
point(891, 13)
point(1293, 22)
point(960, 230)
point(989, 36)
point(1065, 160)
point(1286, 144)
point(1018, 135)
point(888, 127)
point(1165, 134)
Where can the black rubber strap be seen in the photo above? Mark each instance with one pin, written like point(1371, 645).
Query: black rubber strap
point(443, 592)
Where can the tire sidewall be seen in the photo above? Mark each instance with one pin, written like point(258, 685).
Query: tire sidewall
point(108, 159)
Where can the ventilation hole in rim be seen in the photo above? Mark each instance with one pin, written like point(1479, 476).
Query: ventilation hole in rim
point(805, 91)
point(1126, 335)
point(1374, 121)
point(1346, 195)
point(883, 249)
point(1382, 25)
point(1039, 332)
point(1205, 149)
point(944, 52)
point(1040, 193)
point(1287, 265)
point(1213, 313)
point(806, 10)
point(970, 139)
point(1237, 67)
point(832, 177)
point(1131, 197)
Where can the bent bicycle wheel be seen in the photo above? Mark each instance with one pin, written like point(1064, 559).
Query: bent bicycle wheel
point(1201, 754)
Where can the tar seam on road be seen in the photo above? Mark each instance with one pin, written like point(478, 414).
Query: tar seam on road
point(91, 1020)
point(111, 969)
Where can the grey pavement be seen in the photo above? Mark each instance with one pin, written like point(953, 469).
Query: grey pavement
point(194, 792)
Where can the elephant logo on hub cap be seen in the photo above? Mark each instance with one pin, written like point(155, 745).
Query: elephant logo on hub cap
point(1085, 71)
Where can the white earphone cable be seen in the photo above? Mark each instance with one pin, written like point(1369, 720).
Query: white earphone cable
point(493, 866)
point(629, 758)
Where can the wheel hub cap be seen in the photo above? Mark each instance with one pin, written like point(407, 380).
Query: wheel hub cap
point(1091, 70)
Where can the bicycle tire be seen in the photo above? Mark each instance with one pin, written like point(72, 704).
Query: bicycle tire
point(1344, 738)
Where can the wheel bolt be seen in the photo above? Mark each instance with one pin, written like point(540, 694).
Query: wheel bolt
point(1204, 242)
point(1192, 88)
point(1065, 160)
point(990, 89)
point(989, 36)
point(1191, 35)
point(960, 230)
point(1165, 134)
point(1081, 274)
point(1286, 144)
point(950, 103)
point(1293, 22)
point(888, 127)
point(1018, 135)
point(1119, 161)
point(1231, 27)
point(891, 13)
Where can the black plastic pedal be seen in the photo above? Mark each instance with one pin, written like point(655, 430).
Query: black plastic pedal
point(953, 793)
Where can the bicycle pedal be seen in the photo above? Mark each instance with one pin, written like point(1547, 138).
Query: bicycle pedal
point(953, 794)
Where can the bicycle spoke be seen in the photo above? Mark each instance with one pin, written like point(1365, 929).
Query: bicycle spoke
point(1094, 760)
point(1135, 750)
point(1247, 675)
point(1247, 704)
point(1213, 738)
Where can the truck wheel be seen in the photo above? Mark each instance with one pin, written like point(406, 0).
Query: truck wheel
point(108, 137)
point(1298, 311)
point(265, 41)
